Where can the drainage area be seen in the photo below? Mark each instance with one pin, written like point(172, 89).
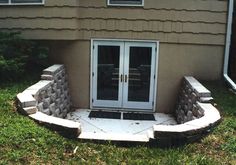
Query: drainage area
point(48, 102)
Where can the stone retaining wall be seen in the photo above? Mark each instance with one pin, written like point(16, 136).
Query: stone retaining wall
point(50, 95)
point(191, 92)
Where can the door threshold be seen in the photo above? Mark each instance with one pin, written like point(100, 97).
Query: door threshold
point(148, 111)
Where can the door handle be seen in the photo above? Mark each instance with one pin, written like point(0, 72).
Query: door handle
point(126, 78)
point(121, 78)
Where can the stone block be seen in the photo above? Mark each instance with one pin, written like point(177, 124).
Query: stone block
point(195, 110)
point(52, 107)
point(59, 84)
point(63, 72)
point(57, 112)
point(194, 97)
point(185, 119)
point(58, 93)
point(72, 129)
point(46, 103)
point(58, 101)
point(63, 80)
point(46, 111)
point(63, 97)
point(185, 97)
point(40, 106)
point(182, 102)
point(54, 87)
point(66, 85)
point(42, 95)
point(49, 91)
point(189, 91)
point(53, 97)
point(47, 77)
point(189, 116)
point(30, 110)
point(41, 85)
point(68, 107)
point(52, 70)
point(64, 114)
point(200, 113)
point(62, 90)
point(206, 99)
point(186, 108)
point(26, 100)
point(61, 107)
point(202, 93)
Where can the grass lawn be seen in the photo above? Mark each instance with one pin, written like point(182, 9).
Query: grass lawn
point(22, 141)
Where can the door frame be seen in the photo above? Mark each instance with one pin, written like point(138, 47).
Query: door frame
point(155, 73)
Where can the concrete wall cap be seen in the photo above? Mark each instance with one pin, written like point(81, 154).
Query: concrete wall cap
point(53, 69)
point(42, 84)
point(41, 117)
point(197, 86)
point(26, 100)
point(211, 116)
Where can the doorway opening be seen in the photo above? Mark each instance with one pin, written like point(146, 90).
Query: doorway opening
point(124, 74)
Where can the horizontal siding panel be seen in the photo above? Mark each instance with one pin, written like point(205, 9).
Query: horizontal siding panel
point(38, 34)
point(202, 5)
point(151, 26)
point(39, 23)
point(204, 28)
point(158, 15)
point(187, 38)
point(38, 12)
point(70, 3)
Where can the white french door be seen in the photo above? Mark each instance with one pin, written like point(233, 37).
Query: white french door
point(123, 74)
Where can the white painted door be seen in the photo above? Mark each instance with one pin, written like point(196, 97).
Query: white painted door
point(123, 74)
point(107, 74)
point(139, 71)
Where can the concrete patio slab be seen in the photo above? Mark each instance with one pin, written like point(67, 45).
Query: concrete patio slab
point(117, 129)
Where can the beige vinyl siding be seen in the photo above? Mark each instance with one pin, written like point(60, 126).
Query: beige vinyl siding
point(56, 20)
point(169, 21)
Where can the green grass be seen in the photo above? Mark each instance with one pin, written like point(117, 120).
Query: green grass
point(22, 141)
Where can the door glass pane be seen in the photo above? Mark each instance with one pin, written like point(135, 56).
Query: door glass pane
point(108, 72)
point(139, 74)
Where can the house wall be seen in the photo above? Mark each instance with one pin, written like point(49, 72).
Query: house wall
point(175, 61)
point(191, 35)
point(185, 21)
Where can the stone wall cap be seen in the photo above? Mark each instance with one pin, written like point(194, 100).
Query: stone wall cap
point(30, 110)
point(41, 117)
point(40, 85)
point(206, 99)
point(211, 116)
point(32, 92)
point(26, 100)
point(53, 69)
point(197, 86)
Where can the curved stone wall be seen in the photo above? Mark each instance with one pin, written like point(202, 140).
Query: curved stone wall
point(48, 102)
point(50, 95)
point(191, 92)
